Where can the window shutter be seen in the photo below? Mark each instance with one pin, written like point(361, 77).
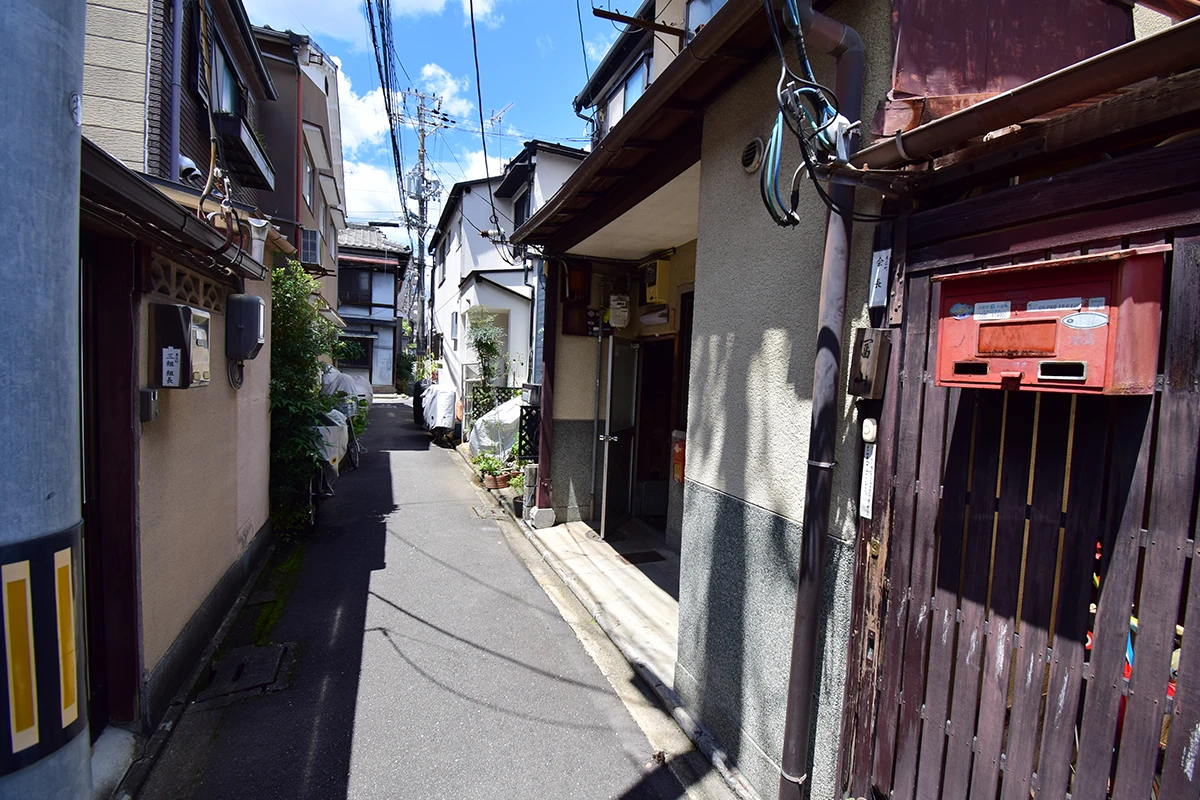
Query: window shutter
point(202, 40)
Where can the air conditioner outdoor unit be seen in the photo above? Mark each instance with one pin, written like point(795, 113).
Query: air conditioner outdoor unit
point(656, 275)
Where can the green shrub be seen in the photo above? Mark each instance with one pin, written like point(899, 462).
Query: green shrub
point(488, 464)
point(299, 338)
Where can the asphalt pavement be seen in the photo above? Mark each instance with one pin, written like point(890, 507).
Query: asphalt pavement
point(405, 650)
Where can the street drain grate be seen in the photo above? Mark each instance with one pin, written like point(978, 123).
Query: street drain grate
point(641, 557)
point(244, 670)
point(489, 513)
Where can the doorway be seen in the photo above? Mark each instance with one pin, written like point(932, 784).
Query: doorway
point(652, 465)
point(109, 354)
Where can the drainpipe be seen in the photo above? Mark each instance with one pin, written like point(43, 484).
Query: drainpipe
point(549, 354)
point(176, 68)
point(299, 137)
point(832, 37)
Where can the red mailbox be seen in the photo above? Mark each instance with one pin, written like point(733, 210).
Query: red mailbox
point(1080, 324)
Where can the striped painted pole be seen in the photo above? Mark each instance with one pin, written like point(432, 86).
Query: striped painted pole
point(44, 746)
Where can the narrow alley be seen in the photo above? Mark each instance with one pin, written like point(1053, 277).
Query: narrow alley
point(419, 658)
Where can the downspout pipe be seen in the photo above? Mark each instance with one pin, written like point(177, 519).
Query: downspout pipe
point(843, 42)
point(176, 69)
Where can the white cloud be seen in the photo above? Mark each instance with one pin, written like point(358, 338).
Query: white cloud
point(545, 44)
point(364, 119)
point(485, 13)
point(371, 192)
point(596, 48)
point(439, 81)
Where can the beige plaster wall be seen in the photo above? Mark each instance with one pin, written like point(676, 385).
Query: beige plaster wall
point(202, 485)
point(254, 433)
point(114, 78)
point(575, 371)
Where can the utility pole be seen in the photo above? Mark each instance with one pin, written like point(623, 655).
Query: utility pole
point(45, 750)
point(421, 188)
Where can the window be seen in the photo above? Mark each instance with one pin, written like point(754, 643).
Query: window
point(225, 91)
point(636, 83)
point(627, 92)
point(454, 329)
point(521, 209)
point(363, 361)
point(699, 12)
point(310, 246)
point(354, 286)
point(310, 177)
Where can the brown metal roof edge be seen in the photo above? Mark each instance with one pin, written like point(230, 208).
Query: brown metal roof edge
point(103, 177)
point(725, 25)
point(1171, 50)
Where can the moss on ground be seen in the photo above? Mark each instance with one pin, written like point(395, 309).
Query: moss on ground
point(282, 580)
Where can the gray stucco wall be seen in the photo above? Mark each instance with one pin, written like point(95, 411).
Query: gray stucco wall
point(757, 289)
point(571, 466)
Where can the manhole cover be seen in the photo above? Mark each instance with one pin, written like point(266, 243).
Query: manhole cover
point(489, 513)
point(242, 669)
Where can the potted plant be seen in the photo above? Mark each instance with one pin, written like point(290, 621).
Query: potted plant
point(493, 471)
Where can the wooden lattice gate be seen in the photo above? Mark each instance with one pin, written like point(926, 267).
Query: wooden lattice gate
point(1024, 600)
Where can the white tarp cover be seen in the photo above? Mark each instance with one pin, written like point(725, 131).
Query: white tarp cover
point(496, 431)
point(333, 380)
point(438, 402)
point(334, 441)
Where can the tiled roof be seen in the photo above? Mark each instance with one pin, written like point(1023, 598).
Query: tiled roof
point(365, 236)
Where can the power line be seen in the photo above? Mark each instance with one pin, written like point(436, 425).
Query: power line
point(479, 97)
point(587, 72)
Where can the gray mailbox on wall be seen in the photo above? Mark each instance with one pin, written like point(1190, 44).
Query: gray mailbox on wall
point(180, 354)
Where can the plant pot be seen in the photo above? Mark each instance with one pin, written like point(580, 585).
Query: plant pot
point(490, 482)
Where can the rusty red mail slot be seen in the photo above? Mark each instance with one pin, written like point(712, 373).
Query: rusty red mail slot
point(1080, 324)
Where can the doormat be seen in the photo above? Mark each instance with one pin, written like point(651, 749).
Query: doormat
point(641, 557)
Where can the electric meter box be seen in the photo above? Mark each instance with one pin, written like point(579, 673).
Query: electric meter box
point(180, 355)
point(245, 326)
point(657, 277)
point(1087, 324)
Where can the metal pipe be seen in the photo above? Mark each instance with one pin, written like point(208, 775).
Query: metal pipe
point(1171, 50)
point(596, 423)
point(549, 353)
point(176, 68)
point(842, 41)
point(40, 510)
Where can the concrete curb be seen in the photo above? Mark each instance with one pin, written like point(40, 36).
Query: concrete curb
point(667, 696)
point(139, 771)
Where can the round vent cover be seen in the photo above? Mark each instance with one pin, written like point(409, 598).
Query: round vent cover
point(752, 155)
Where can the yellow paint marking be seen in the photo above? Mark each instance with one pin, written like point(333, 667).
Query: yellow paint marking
point(64, 600)
point(18, 643)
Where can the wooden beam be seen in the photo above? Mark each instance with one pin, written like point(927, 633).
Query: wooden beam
point(645, 24)
point(678, 153)
point(1155, 170)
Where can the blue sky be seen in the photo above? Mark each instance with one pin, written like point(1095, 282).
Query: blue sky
point(530, 56)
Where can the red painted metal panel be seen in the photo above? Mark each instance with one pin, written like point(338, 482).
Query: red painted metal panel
point(942, 48)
